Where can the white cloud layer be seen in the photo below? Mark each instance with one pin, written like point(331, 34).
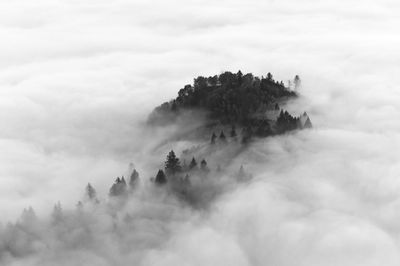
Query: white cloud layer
point(77, 78)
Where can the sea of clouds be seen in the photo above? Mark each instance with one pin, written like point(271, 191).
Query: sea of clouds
point(78, 79)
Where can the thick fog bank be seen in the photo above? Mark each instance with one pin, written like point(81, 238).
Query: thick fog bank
point(78, 80)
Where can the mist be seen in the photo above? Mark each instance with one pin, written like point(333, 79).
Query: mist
point(79, 79)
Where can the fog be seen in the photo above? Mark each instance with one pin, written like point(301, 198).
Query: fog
point(79, 78)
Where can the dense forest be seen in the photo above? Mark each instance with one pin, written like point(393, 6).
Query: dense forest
point(246, 101)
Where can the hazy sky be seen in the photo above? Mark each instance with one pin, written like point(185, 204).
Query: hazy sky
point(78, 77)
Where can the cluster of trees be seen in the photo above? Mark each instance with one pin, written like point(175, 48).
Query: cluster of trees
point(229, 97)
point(175, 172)
point(120, 186)
point(236, 99)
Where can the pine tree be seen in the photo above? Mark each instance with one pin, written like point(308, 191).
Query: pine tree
point(308, 123)
point(213, 137)
point(222, 136)
point(134, 179)
point(193, 164)
point(241, 173)
point(161, 178)
point(90, 192)
point(119, 187)
point(172, 164)
point(297, 82)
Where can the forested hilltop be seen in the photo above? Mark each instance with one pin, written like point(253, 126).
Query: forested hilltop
point(202, 152)
point(250, 102)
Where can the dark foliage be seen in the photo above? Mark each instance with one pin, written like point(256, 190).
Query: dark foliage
point(286, 122)
point(134, 179)
point(119, 187)
point(172, 164)
point(160, 178)
point(234, 99)
point(229, 97)
point(193, 164)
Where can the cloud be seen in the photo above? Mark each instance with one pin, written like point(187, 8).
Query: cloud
point(79, 78)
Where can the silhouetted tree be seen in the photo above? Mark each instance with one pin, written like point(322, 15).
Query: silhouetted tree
point(90, 192)
point(203, 166)
point(172, 164)
point(297, 82)
point(193, 164)
point(239, 77)
point(161, 178)
point(134, 179)
point(222, 136)
point(118, 188)
point(308, 123)
point(213, 137)
point(241, 173)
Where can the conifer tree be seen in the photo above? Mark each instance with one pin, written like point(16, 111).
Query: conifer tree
point(193, 164)
point(134, 179)
point(90, 192)
point(161, 178)
point(241, 173)
point(222, 136)
point(203, 165)
point(172, 164)
point(118, 188)
point(297, 82)
point(213, 137)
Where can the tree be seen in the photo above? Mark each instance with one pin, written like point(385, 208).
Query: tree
point(239, 77)
point(118, 188)
point(90, 192)
point(241, 173)
point(213, 137)
point(193, 164)
point(222, 136)
point(161, 178)
point(172, 164)
point(203, 165)
point(134, 179)
point(308, 123)
point(297, 82)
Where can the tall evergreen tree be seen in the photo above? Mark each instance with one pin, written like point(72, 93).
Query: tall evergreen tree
point(90, 192)
point(172, 164)
point(193, 164)
point(213, 138)
point(118, 188)
point(203, 165)
point(297, 82)
point(222, 136)
point(134, 179)
point(160, 178)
